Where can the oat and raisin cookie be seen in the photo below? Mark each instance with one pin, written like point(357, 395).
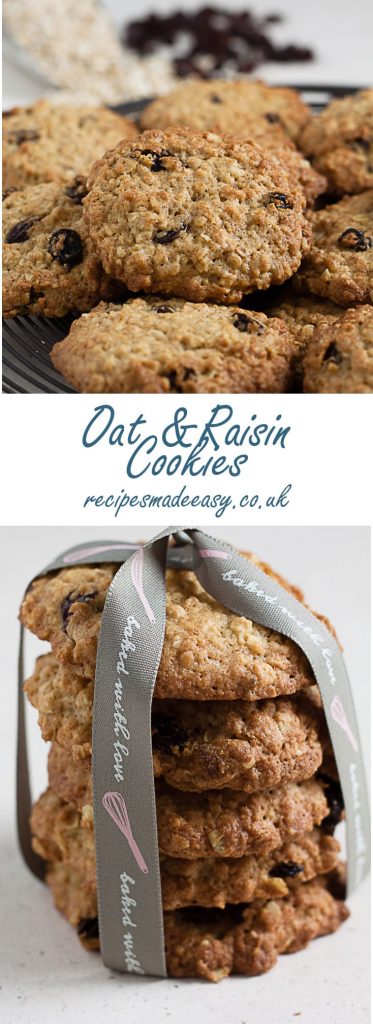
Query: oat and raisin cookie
point(154, 345)
point(49, 263)
point(270, 117)
point(303, 314)
point(311, 182)
point(60, 838)
point(211, 744)
point(216, 106)
point(196, 215)
point(214, 823)
point(339, 359)
point(209, 653)
point(340, 142)
point(213, 943)
point(339, 265)
point(49, 142)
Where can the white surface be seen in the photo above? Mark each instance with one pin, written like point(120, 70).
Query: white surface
point(339, 32)
point(46, 976)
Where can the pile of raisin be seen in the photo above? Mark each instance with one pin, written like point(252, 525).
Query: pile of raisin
point(216, 40)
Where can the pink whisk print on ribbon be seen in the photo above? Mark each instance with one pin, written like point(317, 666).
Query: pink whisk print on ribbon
point(115, 805)
point(211, 553)
point(136, 576)
point(74, 556)
point(338, 713)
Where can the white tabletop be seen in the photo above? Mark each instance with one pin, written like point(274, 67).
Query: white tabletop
point(47, 978)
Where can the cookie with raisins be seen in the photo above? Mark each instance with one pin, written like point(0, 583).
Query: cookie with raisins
point(49, 263)
point(339, 141)
point(61, 838)
point(245, 745)
point(255, 110)
point(196, 215)
point(339, 265)
point(168, 346)
point(339, 359)
point(48, 142)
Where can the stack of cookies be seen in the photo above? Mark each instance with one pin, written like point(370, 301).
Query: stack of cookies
point(245, 221)
point(246, 788)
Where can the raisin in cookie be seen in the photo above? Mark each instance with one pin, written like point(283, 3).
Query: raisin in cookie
point(196, 215)
point(53, 143)
point(162, 346)
point(339, 265)
point(217, 106)
point(340, 142)
point(209, 653)
point(340, 358)
point(49, 263)
point(60, 838)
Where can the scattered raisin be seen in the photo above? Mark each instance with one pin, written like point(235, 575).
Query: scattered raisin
point(20, 232)
point(234, 39)
point(215, 98)
point(88, 928)
point(273, 118)
point(167, 734)
point(65, 245)
point(163, 309)
point(77, 191)
point(332, 354)
point(164, 237)
point(23, 135)
point(285, 869)
point(242, 322)
point(71, 599)
point(157, 158)
point(355, 239)
point(279, 199)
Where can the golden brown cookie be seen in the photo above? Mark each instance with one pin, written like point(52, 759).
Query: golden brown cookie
point(340, 142)
point(196, 215)
point(49, 264)
point(213, 943)
point(339, 358)
point(213, 823)
point(269, 116)
point(206, 745)
point(170, 346)
point(60, 838)
point(209, 653)
point(339, 265)
point(303, 314)
point(53, 143)
point(253, 109)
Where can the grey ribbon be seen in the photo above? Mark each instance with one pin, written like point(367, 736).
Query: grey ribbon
point(129, 651)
